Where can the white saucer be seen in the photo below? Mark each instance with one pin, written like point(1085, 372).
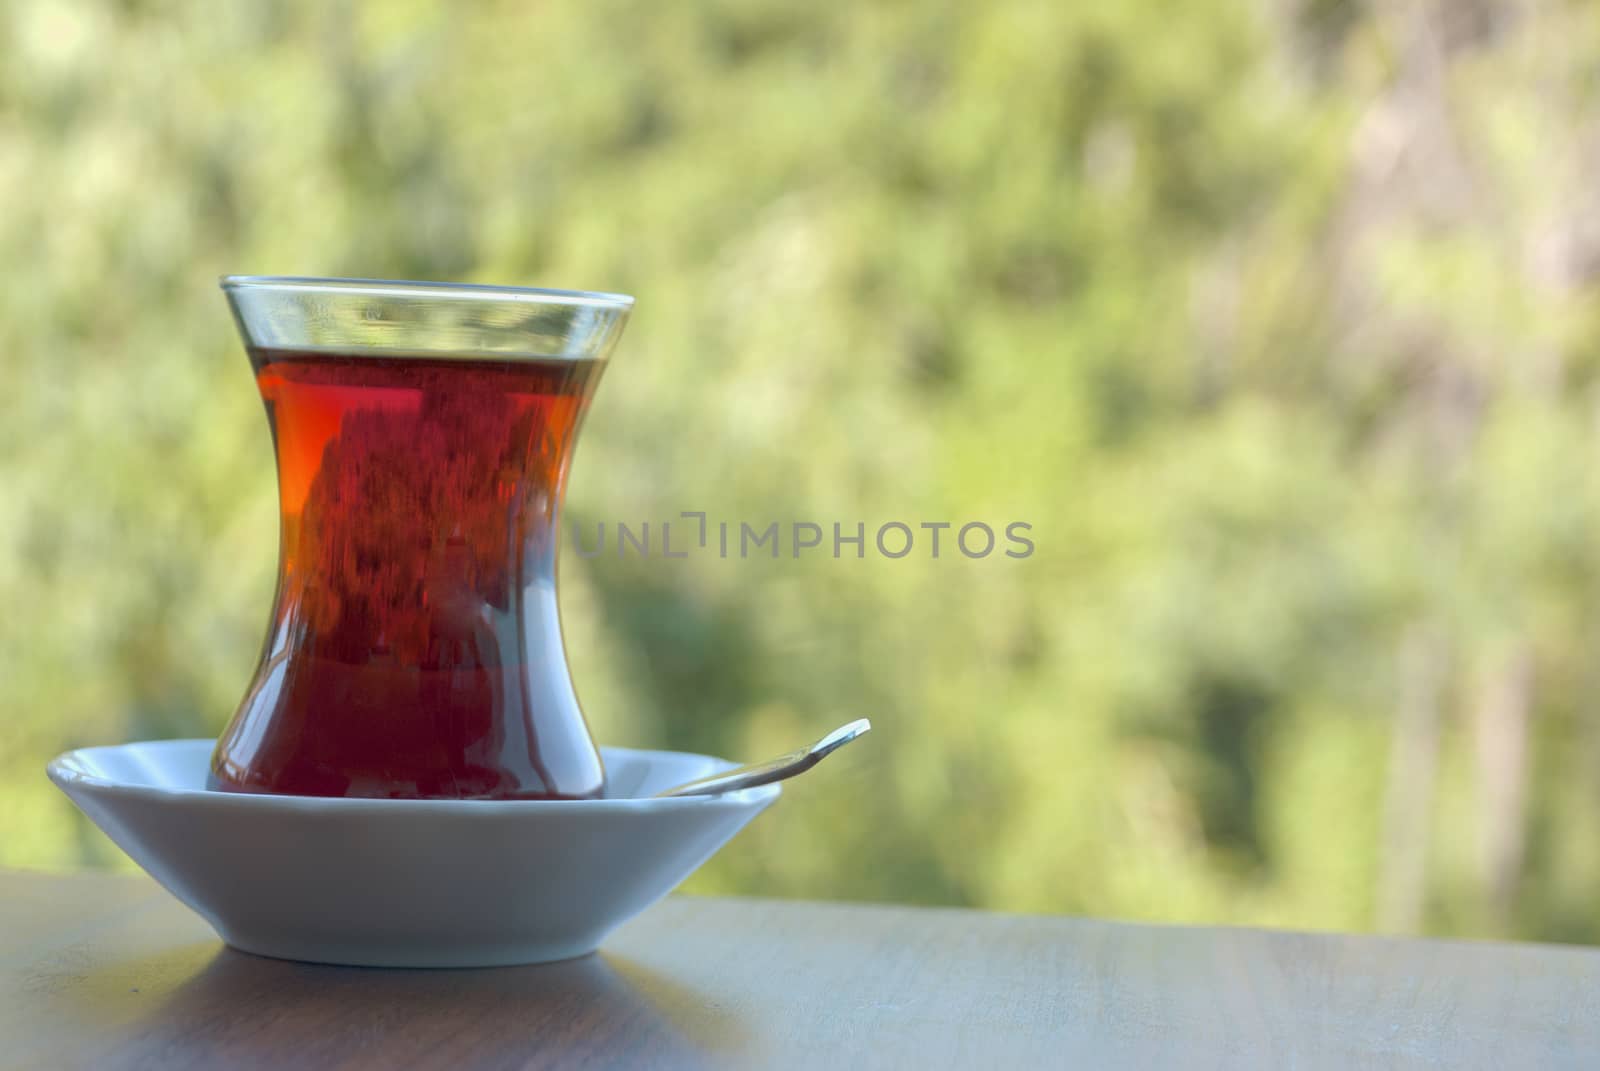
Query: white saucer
point(407, 883)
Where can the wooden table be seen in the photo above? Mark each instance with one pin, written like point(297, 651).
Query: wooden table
point(109, 971)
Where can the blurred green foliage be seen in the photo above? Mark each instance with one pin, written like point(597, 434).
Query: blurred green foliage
point(1277, 321)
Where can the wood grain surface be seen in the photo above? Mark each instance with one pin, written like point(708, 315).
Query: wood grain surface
point(109, 971)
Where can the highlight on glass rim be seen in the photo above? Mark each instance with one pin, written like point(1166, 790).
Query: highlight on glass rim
point(466, 471)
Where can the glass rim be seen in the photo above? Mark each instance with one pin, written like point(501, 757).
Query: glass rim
point(403, 288)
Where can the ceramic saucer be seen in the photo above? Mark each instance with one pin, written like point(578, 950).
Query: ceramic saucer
point(407, 883)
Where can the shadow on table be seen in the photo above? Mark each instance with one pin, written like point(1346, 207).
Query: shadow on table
point(182, 1009)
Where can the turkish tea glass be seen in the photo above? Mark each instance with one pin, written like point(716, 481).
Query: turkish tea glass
point(423, 434)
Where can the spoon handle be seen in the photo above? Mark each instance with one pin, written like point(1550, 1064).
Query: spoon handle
point(770, 770)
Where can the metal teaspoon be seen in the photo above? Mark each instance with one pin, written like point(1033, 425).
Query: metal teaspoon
point(779, 769)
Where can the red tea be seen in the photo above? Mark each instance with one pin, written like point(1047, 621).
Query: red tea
point(415, 647)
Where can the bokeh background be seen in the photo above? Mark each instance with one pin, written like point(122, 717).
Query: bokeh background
point(1277, 320)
